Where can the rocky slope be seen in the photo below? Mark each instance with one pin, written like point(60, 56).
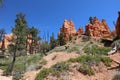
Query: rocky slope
point(102, 72)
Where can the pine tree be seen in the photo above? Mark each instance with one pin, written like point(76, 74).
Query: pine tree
point(20, 32)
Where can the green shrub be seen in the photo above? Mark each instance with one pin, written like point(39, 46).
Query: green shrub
point(87, 59)
point(59, 67)
point(107, 61)
point(32, 66)
point(73, 49)
point(17, 75)
point(94, 49)
point(85, 69)
point(4, 63)
point(43, 74)
point(34, 58)
point(19, 66)
point(22, 63)
point(43, 62)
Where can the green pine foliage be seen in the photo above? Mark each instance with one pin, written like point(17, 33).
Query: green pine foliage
point(20, 31)
point(61, 39)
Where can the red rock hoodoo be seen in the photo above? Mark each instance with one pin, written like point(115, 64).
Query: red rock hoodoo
point(118, 25)
point(68, 29)
point(98, 29)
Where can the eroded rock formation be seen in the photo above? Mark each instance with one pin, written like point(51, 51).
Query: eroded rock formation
point(98, 29)
point(68, 29)
point(118, 25)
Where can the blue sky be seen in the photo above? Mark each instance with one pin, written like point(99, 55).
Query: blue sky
point(48, 15)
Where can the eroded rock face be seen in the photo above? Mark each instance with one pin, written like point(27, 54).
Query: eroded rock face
point(68, 29)
point(118, 25)
point(98, 29)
